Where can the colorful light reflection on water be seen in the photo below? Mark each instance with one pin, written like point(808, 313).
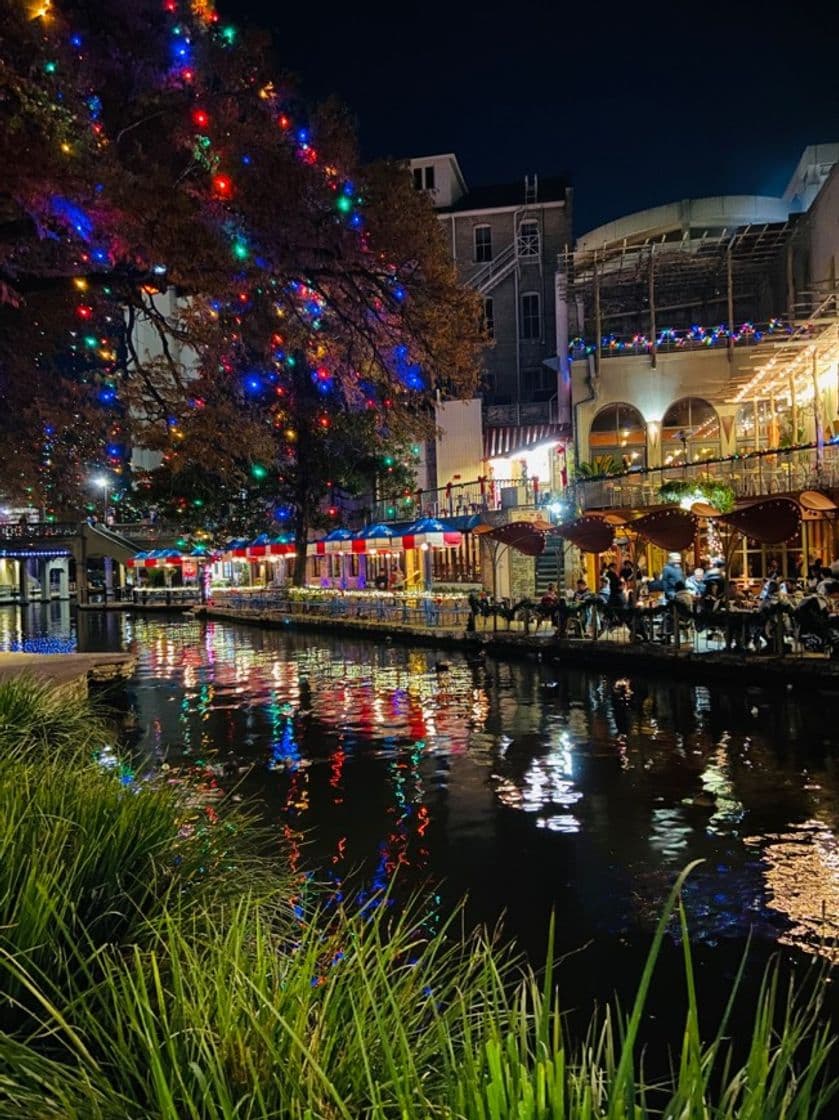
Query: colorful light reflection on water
point(529, 789)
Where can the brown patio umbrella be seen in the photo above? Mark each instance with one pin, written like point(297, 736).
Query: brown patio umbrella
point(588, 533)
point(817, 501)
point(523, 536)
point(770, 521)
point(671, 529)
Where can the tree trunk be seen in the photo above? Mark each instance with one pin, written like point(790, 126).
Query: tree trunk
point(301, 531)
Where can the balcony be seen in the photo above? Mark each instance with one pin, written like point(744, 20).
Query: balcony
point(783, 471)
point(461, 500)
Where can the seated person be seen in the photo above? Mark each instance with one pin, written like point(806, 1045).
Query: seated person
point(695, 582)
point(550, 598)
point(682, 596)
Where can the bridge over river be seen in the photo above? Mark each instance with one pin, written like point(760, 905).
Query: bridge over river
point(45, 559)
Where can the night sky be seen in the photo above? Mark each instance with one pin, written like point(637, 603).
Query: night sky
point(658, 103)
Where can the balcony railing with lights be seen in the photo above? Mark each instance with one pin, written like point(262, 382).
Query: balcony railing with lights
point(777, 471)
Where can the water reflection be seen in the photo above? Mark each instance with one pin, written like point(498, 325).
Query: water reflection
point(529, 789)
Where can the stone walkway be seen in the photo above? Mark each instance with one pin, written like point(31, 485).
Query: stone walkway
point(72, 670)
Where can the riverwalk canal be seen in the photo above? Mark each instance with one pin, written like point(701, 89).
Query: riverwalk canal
point(531, 788)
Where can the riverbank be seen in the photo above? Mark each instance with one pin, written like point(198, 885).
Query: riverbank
point(129, 607)
point(70, 671)
point(813, 671)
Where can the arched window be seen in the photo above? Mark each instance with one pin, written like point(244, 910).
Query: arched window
point(765, 424)
point(619, 432)
point(690, 432)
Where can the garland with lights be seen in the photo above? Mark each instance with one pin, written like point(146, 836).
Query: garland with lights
point(683, 338)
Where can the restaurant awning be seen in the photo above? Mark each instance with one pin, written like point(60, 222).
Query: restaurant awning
point(502, 443)
point(265, 546)
point(381, 538)
point(167, 558)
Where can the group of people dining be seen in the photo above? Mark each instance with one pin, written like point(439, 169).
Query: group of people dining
point(807, 605)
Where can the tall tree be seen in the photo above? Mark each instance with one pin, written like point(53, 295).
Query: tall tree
point(310, 288)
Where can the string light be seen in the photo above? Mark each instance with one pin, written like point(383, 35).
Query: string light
point(310, 307)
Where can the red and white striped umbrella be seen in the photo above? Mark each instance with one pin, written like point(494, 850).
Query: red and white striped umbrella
point(432, 539)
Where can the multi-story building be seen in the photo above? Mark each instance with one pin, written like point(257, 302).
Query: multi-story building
point(505, 241)
point(705, 341)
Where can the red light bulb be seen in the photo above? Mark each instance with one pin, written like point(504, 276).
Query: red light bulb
point(222, 186)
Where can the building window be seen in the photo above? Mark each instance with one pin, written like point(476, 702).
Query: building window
point(531, 317)
point(489, 317)
point(768, 425)
point(483, 244)
point(539, 379)
point(617, 439)
point(424, 178)
point(690, 432)
point(528, 243)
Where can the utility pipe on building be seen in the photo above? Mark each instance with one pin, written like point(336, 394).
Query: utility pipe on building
point(563, 362)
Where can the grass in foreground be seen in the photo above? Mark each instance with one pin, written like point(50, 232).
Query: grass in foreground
point(36, 717)
point(135, 990)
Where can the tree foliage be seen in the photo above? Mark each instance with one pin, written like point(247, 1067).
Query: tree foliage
point(192, 261)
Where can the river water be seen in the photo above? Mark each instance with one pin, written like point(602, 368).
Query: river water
point(533, 790)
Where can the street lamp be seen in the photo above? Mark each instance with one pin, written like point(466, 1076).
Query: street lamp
point(103, 483)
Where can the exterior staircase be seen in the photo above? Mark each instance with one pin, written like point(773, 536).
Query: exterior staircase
point(490, 275)
point(549, 569)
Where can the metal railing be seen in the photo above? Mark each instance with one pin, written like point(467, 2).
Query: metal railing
point(38, 531)
point(788, 628)
point(487, 275)
point(442, 612)
point(461, 499)
point(141, 596)
point(148, 533)
point(778, 471)
point(783, 629)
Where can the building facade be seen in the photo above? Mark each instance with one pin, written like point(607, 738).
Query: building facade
point(505, 241)
point(705, 345)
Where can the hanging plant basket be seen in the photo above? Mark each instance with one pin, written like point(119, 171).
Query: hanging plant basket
point(680, 491)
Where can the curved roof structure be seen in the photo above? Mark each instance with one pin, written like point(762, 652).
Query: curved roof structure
point(690, 219)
